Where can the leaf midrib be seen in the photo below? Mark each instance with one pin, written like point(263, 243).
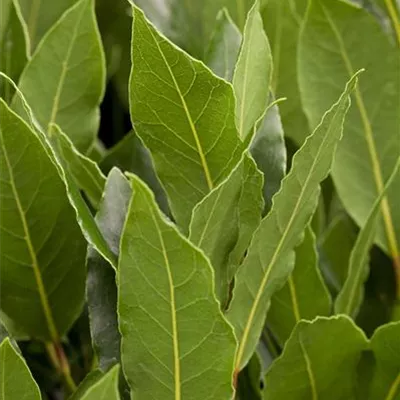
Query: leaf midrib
point(174, 323)
point(393, 388)
point(277, 251)
point(202, 157)
point(310, 373)
point(27, 236)
point(369, 137)
point(64, 69)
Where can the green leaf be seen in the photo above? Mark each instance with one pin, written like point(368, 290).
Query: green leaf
point(224, 47)
point(101, 289)
point(341, 234)
point(14, 44)
point(249, 380)
point(85, 219)
point(16, 381)
point(41, 15)
point(385, 346)
point(319, 361)
point(304, 296)
point(224, 221)
point(90, 379)
point(332, 44)
point(106, 388)
point(39, 271)
point(266, 268)
point(176, 344)
point(269, 151)
point(252, 76)
point(64, 80)
point(130, 155)
point(352, 293)
point(185, 117)
point(85, 172)
point(282, 19)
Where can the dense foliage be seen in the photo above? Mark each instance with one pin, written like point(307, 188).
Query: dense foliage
point(200, 199)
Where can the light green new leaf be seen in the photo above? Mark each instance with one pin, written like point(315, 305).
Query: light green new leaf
point(252, 76)
point(385, 345)
point(16, 381)
point(332, 44)
point(64, 80)
point(270, 257)
point(351, 295)
point(224, 47)
point(14, 44)
point(319, 362)
point(39, 271)
point(85, 172)
point(176, 344)
point(224, 221)
point(304, 296)
point(106, 388)
point(101, 289)
point(41, 15)
point(185, 117)
point(282, 19)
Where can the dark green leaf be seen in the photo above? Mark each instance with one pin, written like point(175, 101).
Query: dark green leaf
point(14, 44)
point(101, 288)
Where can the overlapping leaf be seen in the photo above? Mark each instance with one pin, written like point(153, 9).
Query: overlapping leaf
point(184, 115)
point(351, 295)
point(224, 221)
point(176, 344)
point(332, 44)
point(224, 47)
point(252, 76)
point(14, 44)
point(64, 80)
point(101, 287)
point(85, 172)
point(16, 381)
point(304, 296)
point(386, 349)
point(41, 15)
point(39, 270)
point(319, 361)
point(270, 257)
point(282, 19)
